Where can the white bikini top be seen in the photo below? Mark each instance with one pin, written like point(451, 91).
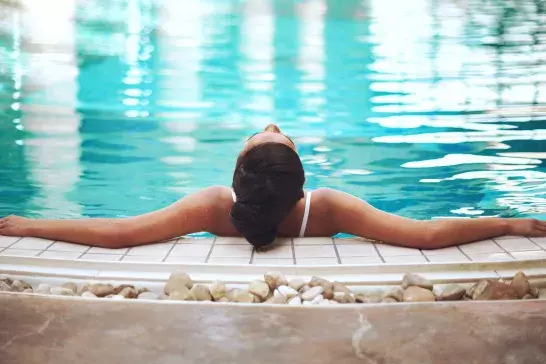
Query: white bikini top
point(305, 214)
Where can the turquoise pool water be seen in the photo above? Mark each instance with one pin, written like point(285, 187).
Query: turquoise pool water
point(423, 108)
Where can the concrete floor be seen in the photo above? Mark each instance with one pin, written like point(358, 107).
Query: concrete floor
point(60, 330)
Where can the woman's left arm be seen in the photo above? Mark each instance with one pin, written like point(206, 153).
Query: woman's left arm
point(353, 216)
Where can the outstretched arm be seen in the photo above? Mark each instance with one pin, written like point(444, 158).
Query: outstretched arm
point(191, 214)
point(354, 216)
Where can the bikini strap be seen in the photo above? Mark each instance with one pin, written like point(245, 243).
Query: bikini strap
point(305, 214)
point(233, 195)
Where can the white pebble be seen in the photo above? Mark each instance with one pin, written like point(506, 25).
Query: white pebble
point(62, 291)
point(288, 292)
point(88, 295)
point(117, 297)
point(310, 294)
point(43, 289)
point(295, 301)
point(317, 299)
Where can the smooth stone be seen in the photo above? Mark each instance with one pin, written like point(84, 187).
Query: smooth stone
point(223, 299)
point(343, 297)
point(28, 290)
point(533, 291)
point(339, 287)
point(529, 297)
point(178, 280)
point(287, 292)
point(162, 297)
point(117, 297)
point(496, 291)
point(240, 295)
point(389, 300)
point(19, 285)
point(61, 291)
point(146, 295)
point(84, 288)
point(416, 280)
point(395, 293)
point(276, 300)
point(325, 302)
point(296, 283)
point(6, 280)
point(312, 293)
point(452, 292)
point(521, 284)
point(181, 294)
point(121, 287)
point(317, 299)
point(201, 292)
point(295, 301)
point(129, 292)
point(327, 286)
point(318, 281)
point(87, 294)
point(218, 290)
point(71, 286)
point(275, 279)
point(43, 288)
point(260, 289)
point(101, 290)
point(478, 288)
point(304, 288)
point(367, 298)
point(418, 294)
point(4, 287)
point(142, 290)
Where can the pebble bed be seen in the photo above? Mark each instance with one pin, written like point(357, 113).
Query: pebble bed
point(276, 289)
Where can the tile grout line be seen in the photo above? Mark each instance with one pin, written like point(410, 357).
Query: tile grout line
point(504, 250)
point(378, 253)
point(210, 250)
point(252, 255)
point(293, 251)
point(170, 250)
point(337, 253)
point(423, 254)
point(463, 253)
point(47, 247)
point(84, 252)
point(124, 255)
point(9, 246)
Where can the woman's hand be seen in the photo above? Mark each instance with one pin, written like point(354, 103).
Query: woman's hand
point(526, 227)
point(14, 225)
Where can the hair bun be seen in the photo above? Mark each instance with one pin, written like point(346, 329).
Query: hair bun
point(257, 227)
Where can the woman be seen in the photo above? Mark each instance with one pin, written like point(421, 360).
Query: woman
point(267, 199)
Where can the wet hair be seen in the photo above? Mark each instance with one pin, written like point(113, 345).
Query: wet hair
point(268, 182)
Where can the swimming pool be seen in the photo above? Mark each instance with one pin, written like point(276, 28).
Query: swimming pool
point(423, 108)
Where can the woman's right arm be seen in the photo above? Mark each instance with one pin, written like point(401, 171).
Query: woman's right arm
point(193, 213)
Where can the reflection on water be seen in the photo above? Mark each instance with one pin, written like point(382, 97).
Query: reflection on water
point(425, 108)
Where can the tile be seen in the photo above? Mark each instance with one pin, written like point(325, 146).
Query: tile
point(317, 261)
point(391, 250)
point(447, 258)
point(353, 250)
point(347, 241)
point(403, 259)
point(273, 261)
point(203, 241)
point(315, 251)
point(508, 237)
point(20, 252)
point(517, 245)
point(159, 249)
point(185, 260)
point(540, 241)
point(6, 241)
point(68, 247)
point(276, 252)
point(281, 242)
point(442, 251)
point(101, 257)
point(142, 258)
point(228, 260)
point(313, 241)
point(190, 250)
point(533, 254)
point(60, 255)
point(32, 243)
point(361, 260)
point(232, 251)
point(231, 241)
point(98, 250)
point(490, 257)
point(481, 247)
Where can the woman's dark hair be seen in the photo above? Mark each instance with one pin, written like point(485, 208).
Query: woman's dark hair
point(268, 182)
